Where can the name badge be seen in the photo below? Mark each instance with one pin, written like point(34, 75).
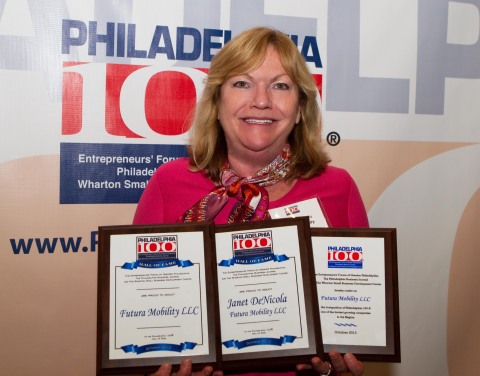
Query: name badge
point(310, 208)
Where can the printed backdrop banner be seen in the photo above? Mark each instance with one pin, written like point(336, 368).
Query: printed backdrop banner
point(95, 95)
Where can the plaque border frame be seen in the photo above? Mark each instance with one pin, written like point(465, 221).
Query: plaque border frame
point(284, 359)
point(107, 366)
point(391, 352)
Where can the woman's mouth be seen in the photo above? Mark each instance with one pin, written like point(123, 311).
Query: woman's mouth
point(258, 121)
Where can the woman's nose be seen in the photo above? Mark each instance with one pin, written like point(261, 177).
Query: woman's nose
point(261, 97)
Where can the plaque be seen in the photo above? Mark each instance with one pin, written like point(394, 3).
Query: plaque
point(156, 299)
point(267, 296)
point(357, 287)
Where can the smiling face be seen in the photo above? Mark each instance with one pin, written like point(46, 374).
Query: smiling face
point(258, 110)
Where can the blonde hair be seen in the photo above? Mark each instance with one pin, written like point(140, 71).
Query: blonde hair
point(242, 54)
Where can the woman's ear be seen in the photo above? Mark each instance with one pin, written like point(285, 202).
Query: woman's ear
point(299, 116)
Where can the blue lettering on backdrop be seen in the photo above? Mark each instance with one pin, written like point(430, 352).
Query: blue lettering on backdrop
point(110, 173)
point(75, 33)
point(161, 32)
point(195, 38)
point(94, 38)
point(132, 51)
point(68, 40)
point(211, 44)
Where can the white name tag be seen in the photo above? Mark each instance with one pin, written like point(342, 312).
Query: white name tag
point(310, 208)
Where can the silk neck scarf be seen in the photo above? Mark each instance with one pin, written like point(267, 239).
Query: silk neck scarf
point(252, 197)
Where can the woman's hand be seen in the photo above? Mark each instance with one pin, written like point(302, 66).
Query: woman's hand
point(185, 370)
point(340, 365)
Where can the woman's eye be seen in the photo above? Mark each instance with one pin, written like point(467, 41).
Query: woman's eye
point(281, 86)
point(240, 84)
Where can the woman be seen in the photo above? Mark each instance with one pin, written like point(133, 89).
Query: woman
point(254, 146)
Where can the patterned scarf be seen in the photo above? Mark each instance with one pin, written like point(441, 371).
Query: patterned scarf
point(252, 197)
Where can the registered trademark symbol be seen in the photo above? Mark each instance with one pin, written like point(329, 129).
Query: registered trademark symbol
point(333, 138)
